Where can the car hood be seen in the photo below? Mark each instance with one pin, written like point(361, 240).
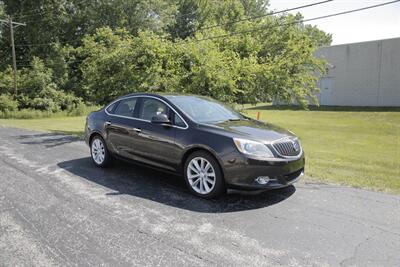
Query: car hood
point(252, 129)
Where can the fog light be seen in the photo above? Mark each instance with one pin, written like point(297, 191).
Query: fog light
point(262, 180)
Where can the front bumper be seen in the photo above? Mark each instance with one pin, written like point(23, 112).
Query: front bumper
point(242, 172)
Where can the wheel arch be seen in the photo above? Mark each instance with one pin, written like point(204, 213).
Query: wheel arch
point(206, 149)
point(92, 135)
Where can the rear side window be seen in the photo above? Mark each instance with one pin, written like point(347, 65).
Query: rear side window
point(110, 108)
point(126, 107)
point(152, 107)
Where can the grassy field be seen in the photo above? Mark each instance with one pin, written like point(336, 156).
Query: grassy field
point(360, 148)
point(65, 125)
point(357, 148)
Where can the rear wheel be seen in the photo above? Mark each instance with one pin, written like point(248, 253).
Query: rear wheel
point(203, 175)
point(99, 152)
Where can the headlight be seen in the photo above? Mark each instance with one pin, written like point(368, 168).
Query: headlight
point(253, 148)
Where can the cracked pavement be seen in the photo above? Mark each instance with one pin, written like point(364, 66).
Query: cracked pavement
point(57, 208)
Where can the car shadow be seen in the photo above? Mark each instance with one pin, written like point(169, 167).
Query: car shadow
point(168, 189)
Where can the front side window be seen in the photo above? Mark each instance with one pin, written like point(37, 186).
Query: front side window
point(178, 121)
point(126, 107)
point(152, 107)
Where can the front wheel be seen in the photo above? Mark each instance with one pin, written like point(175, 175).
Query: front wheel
point(203, 175)
point(99, 152)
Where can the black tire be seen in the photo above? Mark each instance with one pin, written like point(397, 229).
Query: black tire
point(107, 155)
point(218, 187)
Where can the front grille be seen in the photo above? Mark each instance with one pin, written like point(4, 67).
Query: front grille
point(288, 147)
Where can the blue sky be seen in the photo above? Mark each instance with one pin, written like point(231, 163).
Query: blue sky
point(373, 24)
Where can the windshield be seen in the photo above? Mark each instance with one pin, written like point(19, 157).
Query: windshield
point(205, 110)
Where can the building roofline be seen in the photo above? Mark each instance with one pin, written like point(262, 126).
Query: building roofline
point(363, 42)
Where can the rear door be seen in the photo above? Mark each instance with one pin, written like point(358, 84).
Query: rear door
point(155, 144)
point(121, 127)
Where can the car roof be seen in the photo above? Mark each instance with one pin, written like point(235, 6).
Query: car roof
point(164, 95)
point(159, 94)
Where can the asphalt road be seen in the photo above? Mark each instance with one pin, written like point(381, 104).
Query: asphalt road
point(56, 208)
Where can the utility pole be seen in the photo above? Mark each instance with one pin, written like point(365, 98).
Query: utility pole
point(14, 59)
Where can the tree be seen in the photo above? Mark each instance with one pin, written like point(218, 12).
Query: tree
point(67, 22)
point(2, 29)
point(2, 12)
point(100, 49)
point(186, 20)
point(254, 8)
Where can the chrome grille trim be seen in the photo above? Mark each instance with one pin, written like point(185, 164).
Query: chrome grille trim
point(285, 147)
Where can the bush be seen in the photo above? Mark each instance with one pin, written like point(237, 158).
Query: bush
point(35, 79)
point(69, 102)
point(37, 90)
point(79, 110)
point(7, 103)
point(45, 104)
point(49, 99)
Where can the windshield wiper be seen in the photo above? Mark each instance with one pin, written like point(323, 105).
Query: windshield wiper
point(234, 119)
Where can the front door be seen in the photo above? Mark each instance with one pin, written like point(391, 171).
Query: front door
point(155, 144)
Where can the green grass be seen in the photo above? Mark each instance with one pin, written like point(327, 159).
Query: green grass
point(81, 110)
point(65, 125)
point(358, 147)
point(65, 122)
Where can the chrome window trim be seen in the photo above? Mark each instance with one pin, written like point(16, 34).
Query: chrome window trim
point(139, 119)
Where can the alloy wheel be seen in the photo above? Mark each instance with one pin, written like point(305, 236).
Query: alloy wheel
point(201, 175)
point(98, 151)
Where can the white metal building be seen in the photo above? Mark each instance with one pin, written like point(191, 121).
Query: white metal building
point(361, 74)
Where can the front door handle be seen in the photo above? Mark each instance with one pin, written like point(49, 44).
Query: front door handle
point(137, 130)
point(108, 123)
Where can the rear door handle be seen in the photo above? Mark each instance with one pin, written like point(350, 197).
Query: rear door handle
point(108, 123)
point(137, 130)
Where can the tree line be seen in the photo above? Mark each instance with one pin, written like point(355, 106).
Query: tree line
point(72, 52)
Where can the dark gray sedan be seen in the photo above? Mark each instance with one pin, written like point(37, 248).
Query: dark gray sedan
point(211, 145)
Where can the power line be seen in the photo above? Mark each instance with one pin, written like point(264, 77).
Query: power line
point(265, 15)
point(209, 27)
point(213, 26)
point(300, 21)
point(49, 44)
point(263, 28)
point(50, 18)
point(30, 14)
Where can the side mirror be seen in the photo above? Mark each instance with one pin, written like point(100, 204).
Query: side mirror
point(160, 119)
